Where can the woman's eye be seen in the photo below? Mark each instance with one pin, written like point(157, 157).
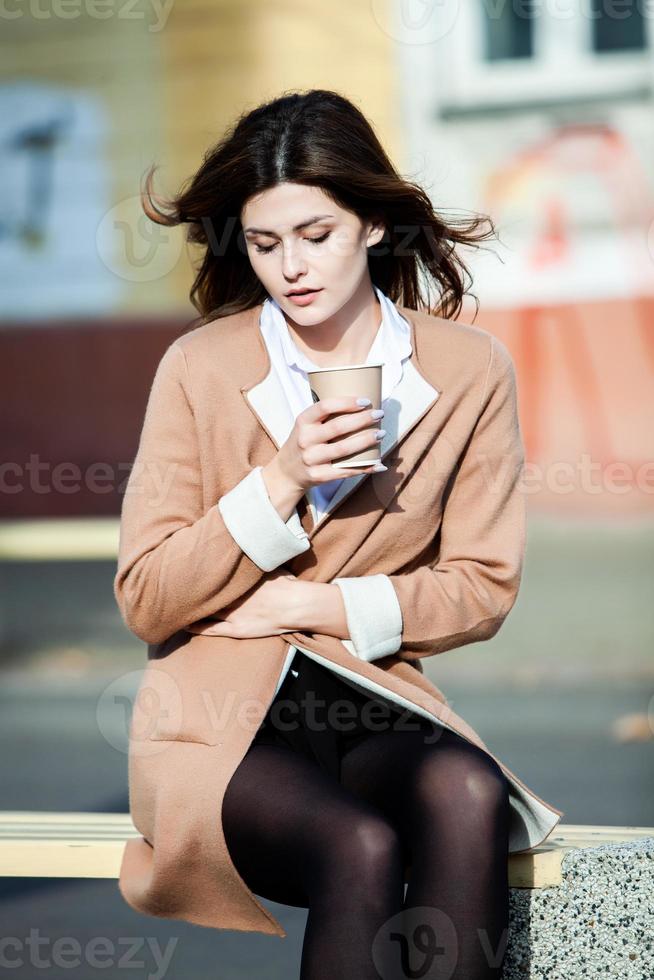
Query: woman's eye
point(266, 249)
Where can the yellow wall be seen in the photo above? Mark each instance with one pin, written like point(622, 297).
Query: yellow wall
point(170, 92)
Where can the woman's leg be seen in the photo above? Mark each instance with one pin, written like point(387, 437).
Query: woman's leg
point(450, 804)
point(297, 837)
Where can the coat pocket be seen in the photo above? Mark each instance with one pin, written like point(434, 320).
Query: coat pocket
point(203, 736)
point(171, 705)
point(205, 627)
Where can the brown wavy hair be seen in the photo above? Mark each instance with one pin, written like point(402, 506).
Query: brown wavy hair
point(319, 138)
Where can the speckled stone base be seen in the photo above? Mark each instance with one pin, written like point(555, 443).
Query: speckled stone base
point(598, 922)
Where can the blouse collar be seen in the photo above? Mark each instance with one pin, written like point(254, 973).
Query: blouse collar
point(392, 343)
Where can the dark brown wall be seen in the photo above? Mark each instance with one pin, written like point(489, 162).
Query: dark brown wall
point(74, 393)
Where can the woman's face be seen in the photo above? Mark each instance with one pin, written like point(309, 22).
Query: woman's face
point(298, 238)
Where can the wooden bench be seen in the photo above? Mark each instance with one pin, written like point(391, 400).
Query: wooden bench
point(90, 845)
point(579, 902)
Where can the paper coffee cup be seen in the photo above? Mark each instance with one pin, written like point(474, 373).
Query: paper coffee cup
point(354, 380)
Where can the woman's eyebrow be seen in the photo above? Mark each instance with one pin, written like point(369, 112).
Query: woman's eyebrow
point(303, 224)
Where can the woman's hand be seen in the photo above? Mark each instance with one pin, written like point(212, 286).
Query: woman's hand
point(280, 604)
point(326, 431)
point(263, 611)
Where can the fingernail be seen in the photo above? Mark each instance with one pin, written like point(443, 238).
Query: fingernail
point(363, 401)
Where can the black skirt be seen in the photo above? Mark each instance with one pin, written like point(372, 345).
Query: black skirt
point(321, 715)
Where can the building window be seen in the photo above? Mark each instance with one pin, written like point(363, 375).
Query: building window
point(507, 53)
point(617, 27)
point(508, 30)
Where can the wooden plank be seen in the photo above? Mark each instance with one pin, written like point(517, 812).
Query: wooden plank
point(61, 859)
point(90, 845)
point(63, 845)
point(72, 817)
point(59, 539)
point(541, 866)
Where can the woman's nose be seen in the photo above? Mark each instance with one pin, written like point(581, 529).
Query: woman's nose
point(292, 263)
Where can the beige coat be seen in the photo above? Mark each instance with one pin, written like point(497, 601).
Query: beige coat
point(445, 523)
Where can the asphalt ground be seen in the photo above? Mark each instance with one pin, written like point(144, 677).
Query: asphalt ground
point(564, 694)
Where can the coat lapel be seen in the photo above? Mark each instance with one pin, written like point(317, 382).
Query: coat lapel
point(410, 400)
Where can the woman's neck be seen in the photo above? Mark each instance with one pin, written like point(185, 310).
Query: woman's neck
point(345, 338)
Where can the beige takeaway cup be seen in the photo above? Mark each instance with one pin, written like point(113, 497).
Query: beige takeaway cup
point(358, 380)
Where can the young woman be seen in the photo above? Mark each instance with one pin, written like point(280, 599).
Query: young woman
point(260, 574)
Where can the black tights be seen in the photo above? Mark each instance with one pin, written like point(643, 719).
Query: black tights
point(428, 798)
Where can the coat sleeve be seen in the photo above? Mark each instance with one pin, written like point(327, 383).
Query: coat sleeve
point(177, 564)
point(467, 593)
point(373, 614)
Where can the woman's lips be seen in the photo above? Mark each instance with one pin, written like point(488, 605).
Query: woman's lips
point(303, 299)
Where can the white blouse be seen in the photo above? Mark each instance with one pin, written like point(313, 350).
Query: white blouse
point(392, 345)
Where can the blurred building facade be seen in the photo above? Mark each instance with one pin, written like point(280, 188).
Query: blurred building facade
point(539, 115)
point(91, 291)
point(542, 115)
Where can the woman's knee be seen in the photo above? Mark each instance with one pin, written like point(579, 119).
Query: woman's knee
point(467, 775)
point(488, 787)
point(364, 847)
